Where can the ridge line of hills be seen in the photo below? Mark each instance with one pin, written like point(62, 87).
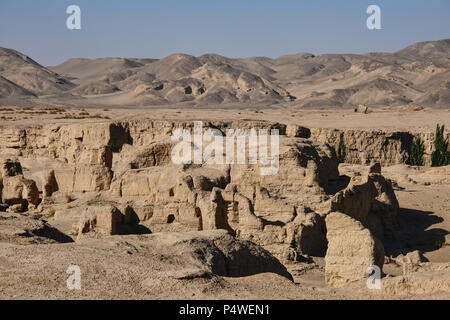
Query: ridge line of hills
point(418, 74)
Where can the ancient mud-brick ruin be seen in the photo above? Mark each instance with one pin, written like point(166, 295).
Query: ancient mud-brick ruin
point(122, 180)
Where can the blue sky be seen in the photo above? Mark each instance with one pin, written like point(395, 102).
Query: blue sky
point(234, 28)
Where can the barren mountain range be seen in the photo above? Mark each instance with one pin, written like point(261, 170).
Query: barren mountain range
point(418, 74)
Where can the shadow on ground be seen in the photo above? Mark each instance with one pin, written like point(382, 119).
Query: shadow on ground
point(414, 233)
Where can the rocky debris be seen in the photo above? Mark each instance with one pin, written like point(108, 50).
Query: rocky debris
point(362, 109)
point(351, 250)
point(409, 262)
point(215, 252)
point(427, 279)
point(15, 190)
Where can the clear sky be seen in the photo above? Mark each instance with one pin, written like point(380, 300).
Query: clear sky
point(233, 28)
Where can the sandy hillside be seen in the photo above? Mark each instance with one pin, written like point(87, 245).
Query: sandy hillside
point(416, 75)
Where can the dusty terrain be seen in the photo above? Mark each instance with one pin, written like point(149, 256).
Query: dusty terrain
point(96, 188)
point(383, 119)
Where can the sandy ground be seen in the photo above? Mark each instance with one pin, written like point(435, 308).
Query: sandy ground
point(379, 119)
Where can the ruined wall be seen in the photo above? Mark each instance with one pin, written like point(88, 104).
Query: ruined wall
point(368, 146)
point(86, 143)
point(128, 164)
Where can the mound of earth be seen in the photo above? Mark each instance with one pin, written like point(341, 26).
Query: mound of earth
point(23, 229)
point(27, 74)
point(146, 266)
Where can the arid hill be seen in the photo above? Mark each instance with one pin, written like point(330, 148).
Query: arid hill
point(26, 77)
point(417, 75)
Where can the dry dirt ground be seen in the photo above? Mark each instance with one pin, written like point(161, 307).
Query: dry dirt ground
point(136, 267)
point(388, 118)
